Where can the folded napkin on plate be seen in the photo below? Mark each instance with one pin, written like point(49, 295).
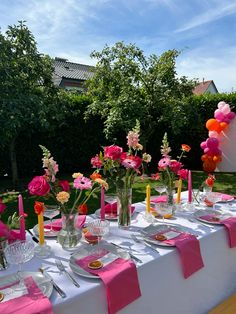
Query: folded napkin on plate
point(112, 209)
point(225, 197)
point(57, 224)
point(119, 277)
point(189, 249)
point(159, 199)
point(229, 224)
point(33, 302)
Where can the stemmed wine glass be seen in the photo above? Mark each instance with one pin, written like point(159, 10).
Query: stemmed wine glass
point(98, 228)
point(50, 212)
point(19, 253)
point(163, 209)
point(213, 198)
point(160, 189)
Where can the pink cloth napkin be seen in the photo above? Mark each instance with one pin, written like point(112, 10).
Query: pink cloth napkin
point(57, 224)
point(35, 302)
point(159, 199)
point(189, 250)
point(120, 279)
point(112, 209)
point(230, 226)
point(225, 197)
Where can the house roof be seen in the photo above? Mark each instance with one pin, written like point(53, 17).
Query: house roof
point(71, 70)
point(202, 87)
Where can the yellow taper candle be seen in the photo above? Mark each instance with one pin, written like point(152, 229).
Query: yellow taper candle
point(179, 191)
point(41, 228)
point(148, 194)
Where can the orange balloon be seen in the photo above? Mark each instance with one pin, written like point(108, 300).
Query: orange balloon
point(217, 159)
point(223, 125)
point(209, 166)
point(204, 157)
point(213, 125)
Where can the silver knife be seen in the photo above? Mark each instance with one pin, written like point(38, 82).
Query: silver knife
point(62, 268)
point(55, 286)
point(131, 255)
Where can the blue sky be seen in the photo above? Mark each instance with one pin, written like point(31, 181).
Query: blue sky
point(205, 31)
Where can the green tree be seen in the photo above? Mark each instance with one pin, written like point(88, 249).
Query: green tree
point(25, 86)
point(127, 86)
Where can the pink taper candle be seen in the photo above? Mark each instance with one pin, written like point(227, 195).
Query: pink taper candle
point(22, 217)
point(102, 212)
point(189, 187)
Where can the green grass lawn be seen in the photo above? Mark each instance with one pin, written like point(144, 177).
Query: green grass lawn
point(225, 182)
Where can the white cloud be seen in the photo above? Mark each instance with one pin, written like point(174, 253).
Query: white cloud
point(216, 12)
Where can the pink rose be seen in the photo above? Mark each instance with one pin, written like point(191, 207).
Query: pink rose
point(113, 152)
point(39, 186)
point(175, 165)
point(2, 206)
point(183, 174)
point(64, 184)
point(96, 162)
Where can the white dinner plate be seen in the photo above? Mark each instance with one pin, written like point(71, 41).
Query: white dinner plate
point(218, 214)
point(47, 234)
point(44, 284)
point(108, 216)
point(154, 229)
point(88, 250)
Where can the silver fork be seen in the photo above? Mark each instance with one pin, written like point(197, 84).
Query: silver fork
point(62, 268)
point(144, 242)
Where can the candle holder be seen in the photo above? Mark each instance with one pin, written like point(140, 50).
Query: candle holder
point(42, 251)
point(149, 217)
point(189, 206)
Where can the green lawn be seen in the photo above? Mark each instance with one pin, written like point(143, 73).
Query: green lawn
point(225, 182)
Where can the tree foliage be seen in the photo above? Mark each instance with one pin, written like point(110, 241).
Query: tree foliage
point(127, 86)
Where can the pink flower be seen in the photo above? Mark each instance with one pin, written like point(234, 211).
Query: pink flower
point(113, 152)
point(4, 230)
point(2, 206)
point(82, 183)
point(132, 139)
point(64, 184)
point(175, 165)
point(163, 163)
point(155, 176)
point(130, 161)
point(39, 186)
point(96, 162)
point(183, 174)
point(51, 168)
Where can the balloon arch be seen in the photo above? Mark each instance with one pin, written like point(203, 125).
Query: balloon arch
point(212, 153)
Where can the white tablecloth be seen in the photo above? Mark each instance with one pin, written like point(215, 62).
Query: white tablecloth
point(164, 289)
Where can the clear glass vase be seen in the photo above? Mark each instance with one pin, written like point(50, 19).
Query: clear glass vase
point(170, 198)
point(124, 202)
point(3, 260)
point(69, 235)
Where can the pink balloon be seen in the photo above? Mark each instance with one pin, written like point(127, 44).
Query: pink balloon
point(214, 134)
point(203, 145)
point(225, 109)
point(216, 151)
point(221, 104)
point(212, 142)
point(219, 115)
point(227, 120)
point(231, 115)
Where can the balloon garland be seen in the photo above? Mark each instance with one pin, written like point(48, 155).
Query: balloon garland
point(212, 153)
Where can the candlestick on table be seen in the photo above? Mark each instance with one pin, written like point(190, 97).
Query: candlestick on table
point(41, 228)
point(148, 194)
point(102, 210)
point(179, 191)
point(22, 217)
point(189, 186)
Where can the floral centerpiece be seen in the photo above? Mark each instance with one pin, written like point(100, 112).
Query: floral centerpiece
point(70, 201)
point(120, 168)
point(170, 170)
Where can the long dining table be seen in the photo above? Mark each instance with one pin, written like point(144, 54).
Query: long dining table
point(163, 286)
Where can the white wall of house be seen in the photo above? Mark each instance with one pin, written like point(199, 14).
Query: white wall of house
point(211, 89)
point(228, 147)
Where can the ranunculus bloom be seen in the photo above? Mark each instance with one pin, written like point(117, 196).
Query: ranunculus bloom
point(83, 209)
point(96, 162)
point(147, 157)
point(175, 165)
point(185, 147)
point(63, 197)
point(210, 180)
point(95, 175)
point(163, 163)
point(39, 207)
point(82, 183)
point(113, 152)
point(64, 184)
point(39, 186)
point(2, 206)
point(183, 174)
point(77, 174)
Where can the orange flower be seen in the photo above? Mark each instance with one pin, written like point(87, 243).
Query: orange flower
point(39, 207)
point(210, 180)
point(83, 209)
point(95, 175)
point(185, 148)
